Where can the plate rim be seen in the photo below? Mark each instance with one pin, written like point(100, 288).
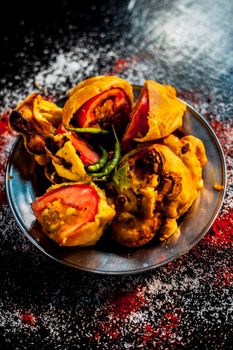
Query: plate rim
point(138, 270)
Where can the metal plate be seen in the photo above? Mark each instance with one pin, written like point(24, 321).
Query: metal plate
point(25, 181)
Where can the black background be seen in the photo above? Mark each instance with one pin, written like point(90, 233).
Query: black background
point(186, 43)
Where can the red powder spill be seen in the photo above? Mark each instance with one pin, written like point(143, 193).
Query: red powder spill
point(221, 234)
point(173, 319)
point(169, 324)
point(28, 318)
point(123, 304)
point(223, 131)
point(192, 96)
point(112, 330)
point(119, 307)
point(176, 263)
point(3, 154)
point(223, 277)
point(4, 123)
point(97, 336)
point(149, 335)
point(114, 333)
point(228, 278)
point(166, 327)
point(148, 328)
point(224, 224)
point(121, 63)
point(6, 140)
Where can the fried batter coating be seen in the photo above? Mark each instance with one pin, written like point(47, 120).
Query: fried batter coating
point(73, 214)
point(161, 182)
point(36, 118)
point(133, 231)
point(99, 102)
point(157, 113)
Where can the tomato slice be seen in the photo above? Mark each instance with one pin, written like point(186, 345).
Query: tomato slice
point(87, 155)
point(138, 124)
point(82, 197)
point(105, 106)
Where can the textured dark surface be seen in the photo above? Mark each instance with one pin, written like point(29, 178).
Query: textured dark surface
point(184, 305)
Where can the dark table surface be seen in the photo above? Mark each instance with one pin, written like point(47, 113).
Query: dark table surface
point(184, 305)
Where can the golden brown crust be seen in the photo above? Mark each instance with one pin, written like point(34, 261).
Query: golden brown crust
point(90, 88)
point(161, 182)
point(161, 188)
point(35, 118)
point(132, 231)
point(165, 111)
point(56, 217)
point(84, 83)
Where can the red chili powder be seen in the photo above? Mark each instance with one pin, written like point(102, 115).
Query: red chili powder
point(123, 304)
point(192, 96)
point(4, 123)
point(112, 330)
point(173, 320)
point(119, 307)
point(221, 234)
point(165, 328)
point(223, 277)
point(28, 318)
point(222, 130)
point(150, 334)
point(228, 278)
point(6, 139)
point(120, 64)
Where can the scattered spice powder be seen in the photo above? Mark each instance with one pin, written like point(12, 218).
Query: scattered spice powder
point(224, 277)
point(124, 316)
point(121, 304)
point(4, 123)
point(166, 327)
point(221, 234)
point(120, 64)
point(28, 318)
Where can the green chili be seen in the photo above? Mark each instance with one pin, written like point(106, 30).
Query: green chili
point(88, 130)
point(100, 163)
point(114, 161)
